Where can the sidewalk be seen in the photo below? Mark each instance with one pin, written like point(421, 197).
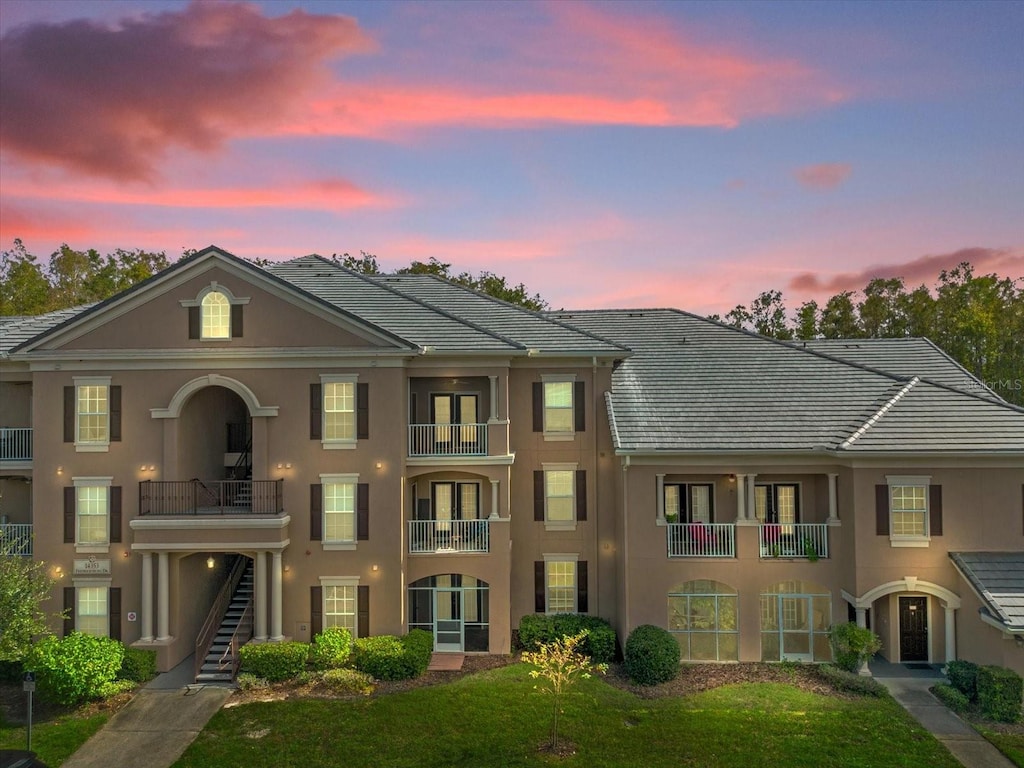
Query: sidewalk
point(156, 726)
point(910, 688)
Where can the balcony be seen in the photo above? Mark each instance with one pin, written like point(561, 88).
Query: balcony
point(446, 537)
point(447, 440)
point(793, 540)
point(16, 538)
point(15, 444)
point(210, 497)
point(701, 539)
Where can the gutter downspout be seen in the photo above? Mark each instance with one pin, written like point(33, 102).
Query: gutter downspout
point(597, 490)
point(625, 547)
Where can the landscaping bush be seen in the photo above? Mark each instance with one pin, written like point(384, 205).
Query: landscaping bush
point(963, 675)
point(75, 668)
point(331, 648)
point(842, 680)
point(951, 697)
point(115, 687)
point(1000, 694)
point(852, 645)
point(138, 665)
point(651, 655)
point(11, 671)
point(347, 682)
point(247, 681)
point(419, 646)
point(274, 662)
point(537, 629)
point(387, 657)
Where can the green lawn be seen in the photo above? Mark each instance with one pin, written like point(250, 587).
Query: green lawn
point(1010, 744)
point(496, 719)
point(55, 740)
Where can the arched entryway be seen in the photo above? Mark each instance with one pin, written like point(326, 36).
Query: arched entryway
point(455, 608)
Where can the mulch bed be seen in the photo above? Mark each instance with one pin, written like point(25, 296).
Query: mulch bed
point(694, 678)
point(14, 706)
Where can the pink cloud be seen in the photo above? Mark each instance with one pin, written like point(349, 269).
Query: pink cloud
point(110, 101)
point(823, 175)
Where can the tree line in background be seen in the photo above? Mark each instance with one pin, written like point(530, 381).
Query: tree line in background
point(976, 320)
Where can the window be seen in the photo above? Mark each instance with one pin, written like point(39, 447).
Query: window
point(216, 316)
point(795, 618)
point(558, 406)
point(340, 603)
point(908, 505)
point(560, 578)
point(92, 414)
point(559, 496)
point(558, 411)
point(340, 512)
point(702, 615)
point(689, 503)
point(91, 611)
point(777, 503)
point(339, 410)
point(92, 508)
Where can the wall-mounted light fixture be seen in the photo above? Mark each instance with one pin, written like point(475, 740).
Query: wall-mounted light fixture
point(210, 562)
point(58, 572)
point(127, 554)
point(375, 567)
point(60, 470)
point(380, 465)
point(732, 478)
point(287, 568)
point(286, 465)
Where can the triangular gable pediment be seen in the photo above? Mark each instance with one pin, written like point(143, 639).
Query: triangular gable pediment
point(154, 315)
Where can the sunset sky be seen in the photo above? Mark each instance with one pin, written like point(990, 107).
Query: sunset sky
point(683, 154)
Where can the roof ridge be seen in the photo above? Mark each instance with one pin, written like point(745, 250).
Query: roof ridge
point(880, 413)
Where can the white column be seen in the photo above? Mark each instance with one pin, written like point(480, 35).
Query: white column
point(494, 499)
point(147, 597)
point(741, 498)
point(950, 633)
point(862, 622)
point(751, 509)
point(163, 602)
point(833, 498)
point(276, 571)
point(494, 398)
point(260, 595)
point(660, 501)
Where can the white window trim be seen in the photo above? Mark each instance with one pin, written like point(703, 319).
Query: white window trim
point(347, 443)
point(198, 302)
point(92, 381)
point(564, 557)
point(559, 525)
point(799, 496)
point(92, 482)
point(92, 582)
point(340, 546)
point(340, 581)
point(557, 378)
point(911, 480)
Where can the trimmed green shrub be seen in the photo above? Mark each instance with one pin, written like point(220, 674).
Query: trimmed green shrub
point(115, 687)
point(419, 646)
point(651, 655)
point(963, 675)
point(1000, 693)
point(951, 697)
point(331, 648)
point(842, 680)
point(347, 682)
point(247, 681)
point(11, 671)
point(537, 629)
point(274, 662)
point(852, 645)
point(387, 657)
point(138, 665)
point(75, 668)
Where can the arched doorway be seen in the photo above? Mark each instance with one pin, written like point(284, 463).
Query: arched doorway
point(455, 608)
point(215, 436)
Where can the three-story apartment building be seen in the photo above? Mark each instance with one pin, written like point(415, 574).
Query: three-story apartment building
point(392, 452)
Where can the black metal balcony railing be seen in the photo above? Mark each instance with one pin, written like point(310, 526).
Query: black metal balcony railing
point(15, 443)
point(211, 497)
point(447, 439)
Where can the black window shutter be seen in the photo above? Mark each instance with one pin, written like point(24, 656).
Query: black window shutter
point(538, 495)
point(69, 610)
point(115, 414)
point(316, 611)
point(363, 511)
point(363, 610)
point(540, 602)
point(538, 406)
point(316, 512)
point(236, 321)
point(114, 612)
point(362, 411)
point(69, 515)
point(193, 322)
point(115, 514)
point(935, 510)
point(882, 510)
point(316, 404)
point(69, 414)
point(581, 494)
point(579, 406)
point(582, 601)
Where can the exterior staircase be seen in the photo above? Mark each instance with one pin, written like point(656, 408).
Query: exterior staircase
point(220, 661)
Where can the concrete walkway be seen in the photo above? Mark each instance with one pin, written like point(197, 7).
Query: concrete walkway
point(156, 726)
point(910, 688)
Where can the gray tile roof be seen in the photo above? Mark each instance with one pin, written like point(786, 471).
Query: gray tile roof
point(903, 357)
point(16, 330)
point(998, 579)
point(696, 385)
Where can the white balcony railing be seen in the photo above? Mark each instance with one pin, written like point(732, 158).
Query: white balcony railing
point(15, 443)
point(448, 536)
point(16, 539)
point(447, 439)
point(701, 540)
point(794, 540)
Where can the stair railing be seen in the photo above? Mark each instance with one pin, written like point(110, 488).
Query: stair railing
point(241, 636)
point(220, 607)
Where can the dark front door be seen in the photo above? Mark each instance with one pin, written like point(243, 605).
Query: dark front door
point(913, 629)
